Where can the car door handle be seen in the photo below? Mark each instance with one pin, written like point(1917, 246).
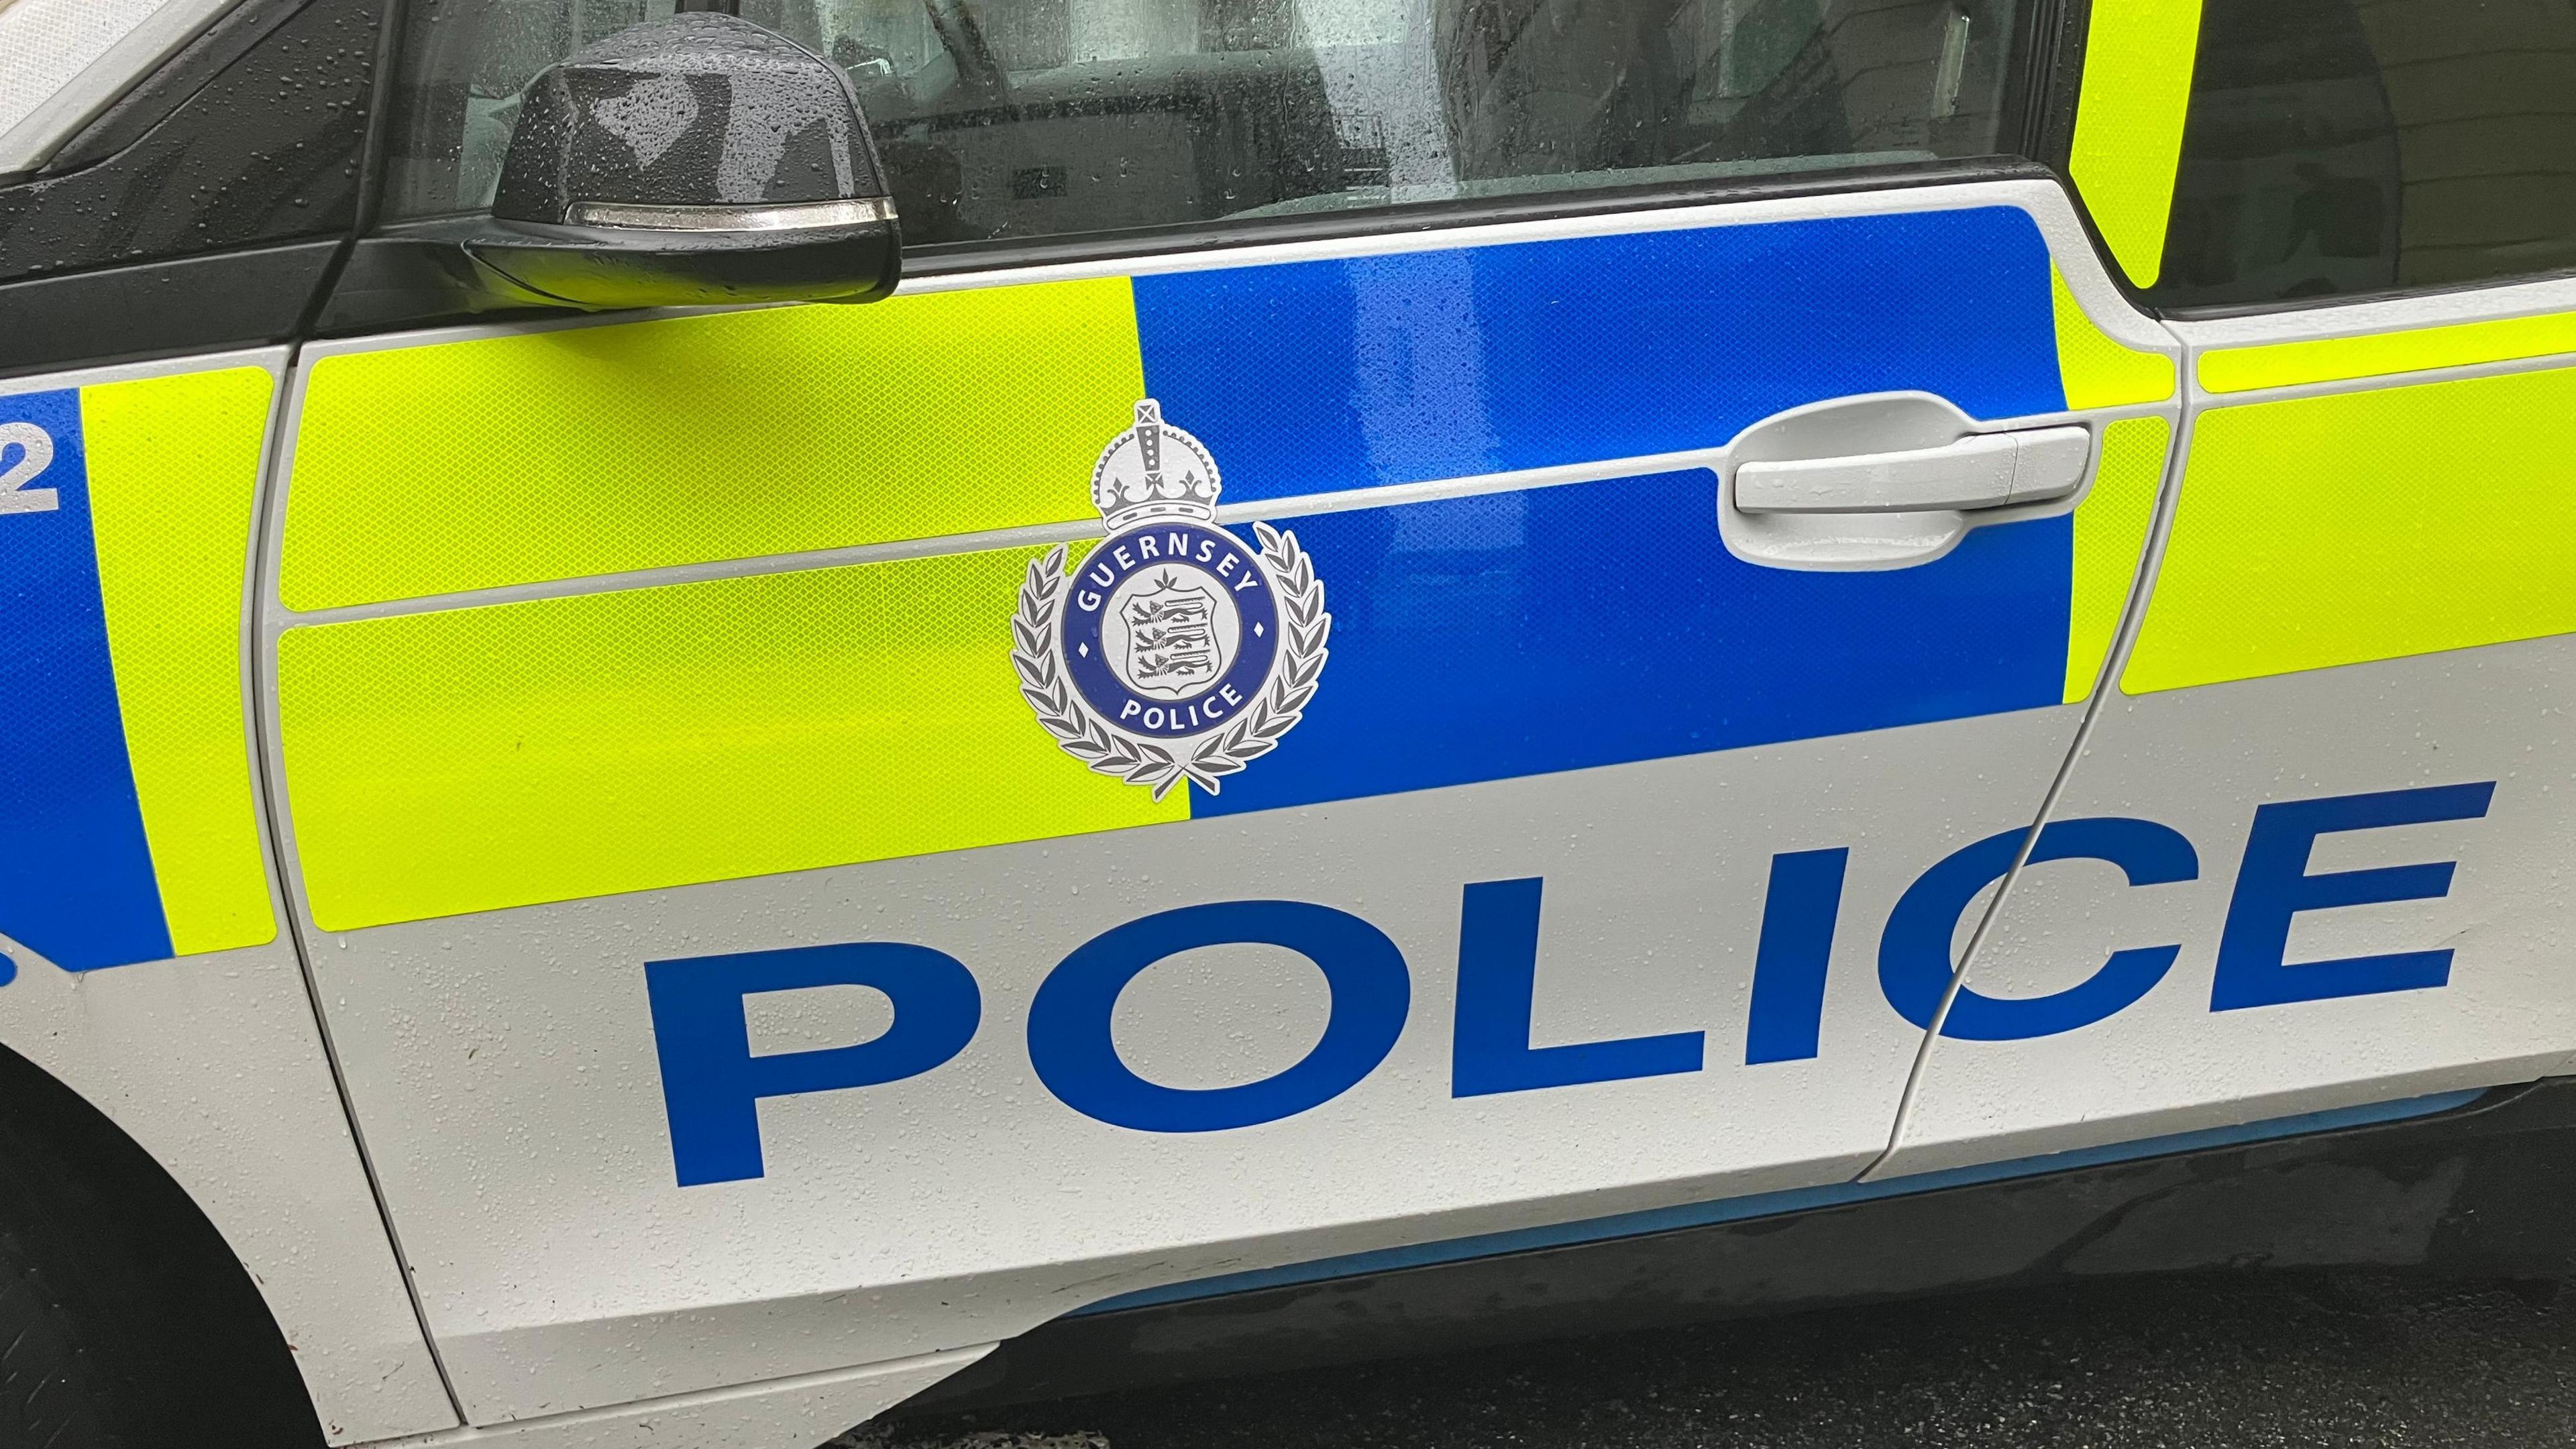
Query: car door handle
point(1986, 470)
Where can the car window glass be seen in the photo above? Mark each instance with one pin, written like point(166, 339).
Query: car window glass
point(265, 149)
point(1030, 118)
point(2346, 146)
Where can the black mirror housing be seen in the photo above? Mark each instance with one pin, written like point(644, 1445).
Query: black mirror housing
point(692, 161)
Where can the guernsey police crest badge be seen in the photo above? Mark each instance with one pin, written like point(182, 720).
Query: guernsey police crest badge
point(1173, 652)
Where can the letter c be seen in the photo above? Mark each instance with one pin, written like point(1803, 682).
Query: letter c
point(1914, 965)
point(1069, 1037)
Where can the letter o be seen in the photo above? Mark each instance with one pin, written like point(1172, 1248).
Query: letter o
point(1069, 1037)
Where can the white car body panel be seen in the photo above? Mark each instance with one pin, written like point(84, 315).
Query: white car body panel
point(558, 1276)
point(215, 1065)
point(2506, 1014)
point(2202, 760)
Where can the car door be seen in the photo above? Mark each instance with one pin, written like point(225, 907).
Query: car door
point(1316, 686)
point(2337, 725)
point(158, 244)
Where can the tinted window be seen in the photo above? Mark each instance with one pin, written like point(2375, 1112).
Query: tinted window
point(252, 134)
point(2342, 146)
point(1021, 118)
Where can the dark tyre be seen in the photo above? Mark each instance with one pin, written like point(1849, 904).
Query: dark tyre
point(52, 1391)
point(125, 1321)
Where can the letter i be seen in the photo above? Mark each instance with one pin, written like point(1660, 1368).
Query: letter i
point(1798, 915)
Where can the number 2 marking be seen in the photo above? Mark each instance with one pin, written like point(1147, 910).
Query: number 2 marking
point(35, 454)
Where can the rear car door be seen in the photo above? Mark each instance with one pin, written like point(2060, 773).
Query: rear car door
point(2339, 718)
point(174, 184)
point(1258, 718)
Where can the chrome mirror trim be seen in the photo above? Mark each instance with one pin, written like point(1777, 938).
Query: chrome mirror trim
point(794, 216)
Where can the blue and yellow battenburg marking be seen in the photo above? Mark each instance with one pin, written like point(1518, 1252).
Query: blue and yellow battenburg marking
point(127, 811)
point(468, 759)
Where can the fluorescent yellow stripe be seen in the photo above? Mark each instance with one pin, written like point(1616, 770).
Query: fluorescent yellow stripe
point(591, 450)
point(472, 759)
point(2110, 531)
point(2313, 532)
point(173, 472)
point(2099, 372)
point(2287, 364)
point(2138, 57)
point(2111, 523)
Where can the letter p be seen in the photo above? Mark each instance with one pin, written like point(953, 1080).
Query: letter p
point(711, 1082)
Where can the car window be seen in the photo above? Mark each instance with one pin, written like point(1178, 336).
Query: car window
point(1034, 118)
point(2344, 146)
point(63, 61)
point(252, 134)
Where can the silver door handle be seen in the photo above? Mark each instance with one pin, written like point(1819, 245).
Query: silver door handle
point(1987, 470)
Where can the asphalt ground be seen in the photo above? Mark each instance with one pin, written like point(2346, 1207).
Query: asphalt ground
point(2208, 1362)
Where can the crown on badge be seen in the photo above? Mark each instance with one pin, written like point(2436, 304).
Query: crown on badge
point(1154, 470)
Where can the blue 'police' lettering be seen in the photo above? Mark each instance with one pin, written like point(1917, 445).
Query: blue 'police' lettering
point(712, 1084)
point(1069, 1038)
point(2273, 885)
point(1914, 965)
point(1798, 914)
point(1490, 1047)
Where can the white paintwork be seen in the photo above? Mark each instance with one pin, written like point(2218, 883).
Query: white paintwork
point(790, 1413)
point(2311, 322)
point(215, 1065)
point(2200, 760)
point(64, 61)
point(271, 358)
point(561, 1268)
point(212, 1064)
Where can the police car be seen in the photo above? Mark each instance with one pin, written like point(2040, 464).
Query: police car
point(722, 722)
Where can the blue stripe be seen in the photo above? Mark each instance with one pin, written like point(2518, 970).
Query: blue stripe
point(1327, 375)
point(77, 885)
point(1773, 1204)
point(1590, 624)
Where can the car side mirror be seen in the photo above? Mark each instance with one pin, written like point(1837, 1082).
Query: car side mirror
point(695, 160)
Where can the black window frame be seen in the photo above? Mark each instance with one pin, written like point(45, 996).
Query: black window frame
point(209, 205)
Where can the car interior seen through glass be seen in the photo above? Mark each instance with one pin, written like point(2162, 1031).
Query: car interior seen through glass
point(1039, 118)
point(2337, 147)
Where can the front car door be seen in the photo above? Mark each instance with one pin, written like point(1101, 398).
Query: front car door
point(2340, 715)
point(734, 762)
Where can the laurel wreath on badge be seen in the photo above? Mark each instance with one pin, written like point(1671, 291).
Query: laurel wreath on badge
point(1183, 655)
point(1305, 628)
